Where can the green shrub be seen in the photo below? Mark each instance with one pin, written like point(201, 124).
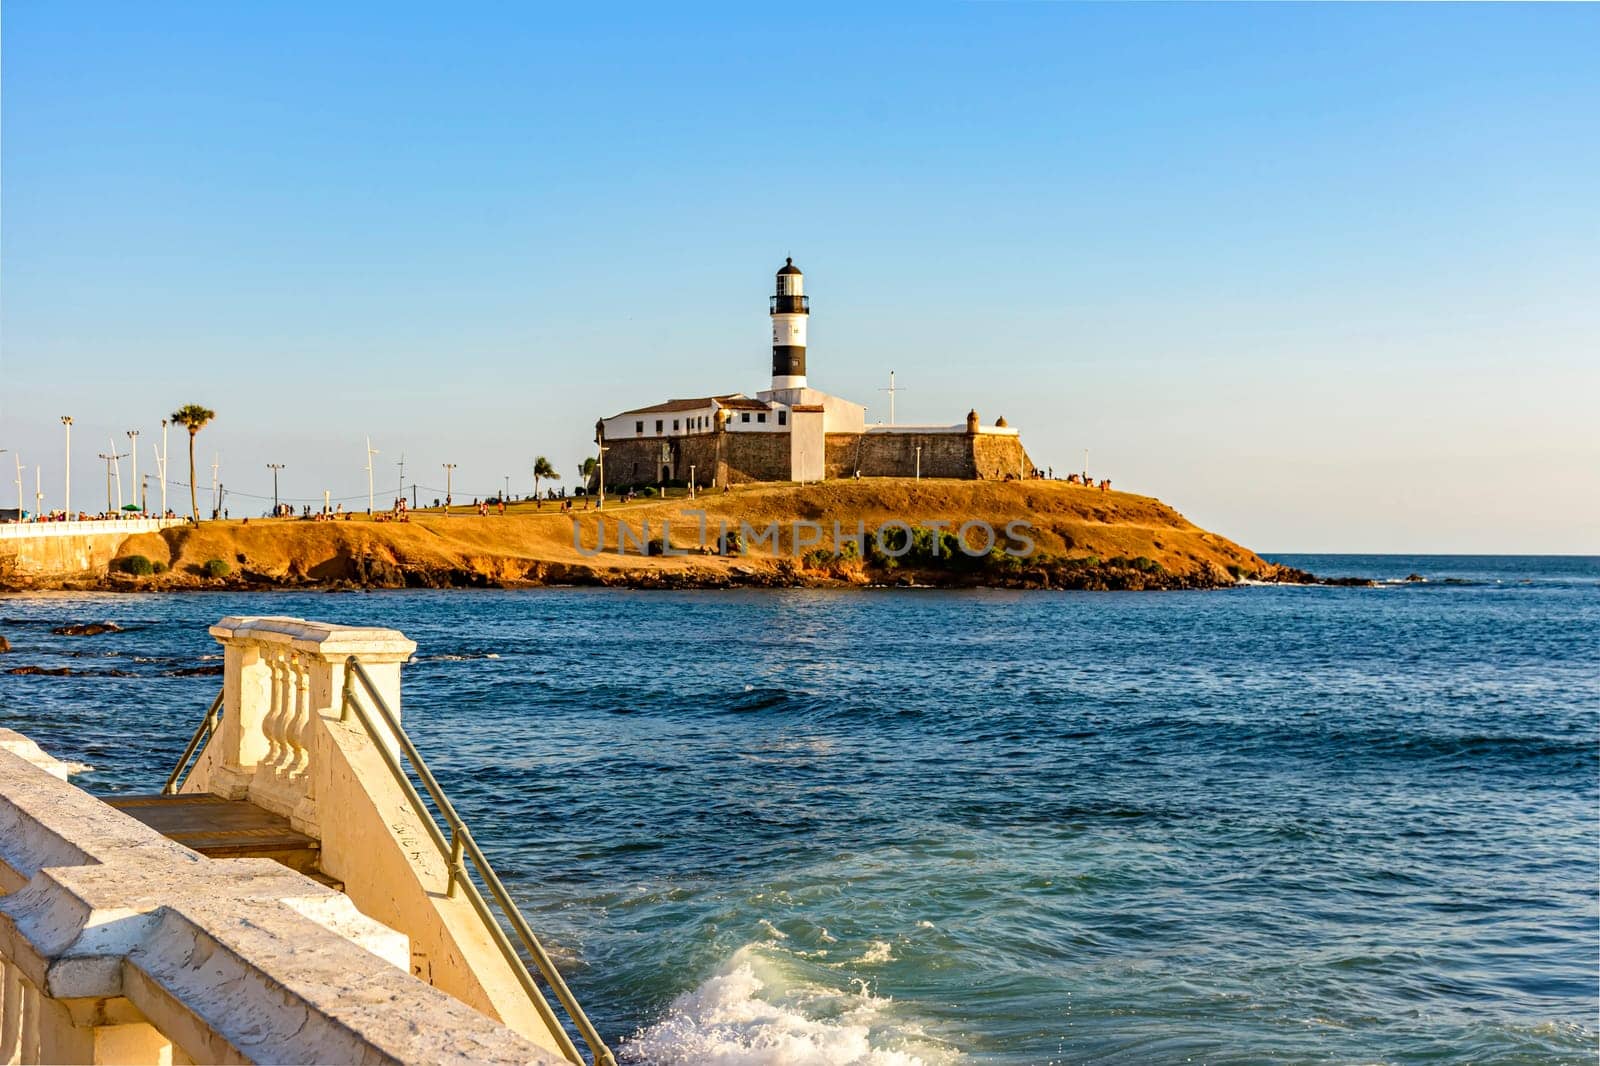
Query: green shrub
point(217, 568)
point(1000, 559)
point(648, 491)
point(817, 559)
point(160, 566)
point(137, 565)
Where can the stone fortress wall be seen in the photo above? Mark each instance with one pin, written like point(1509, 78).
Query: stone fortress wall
point(968, 456)
point(751, 456)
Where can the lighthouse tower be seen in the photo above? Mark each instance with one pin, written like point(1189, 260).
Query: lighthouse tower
point(790, 309)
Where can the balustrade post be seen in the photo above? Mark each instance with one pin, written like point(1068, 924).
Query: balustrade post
point(279, 676)
point(324, 649)
point(247, 700)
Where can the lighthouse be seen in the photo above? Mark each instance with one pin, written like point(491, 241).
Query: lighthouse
point(790, 309)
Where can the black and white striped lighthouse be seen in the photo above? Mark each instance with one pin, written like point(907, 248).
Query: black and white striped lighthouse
point(790, 309)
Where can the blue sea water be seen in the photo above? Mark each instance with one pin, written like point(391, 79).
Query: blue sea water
point(895, 826)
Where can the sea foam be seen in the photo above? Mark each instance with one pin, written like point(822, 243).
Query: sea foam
point(749, 1012)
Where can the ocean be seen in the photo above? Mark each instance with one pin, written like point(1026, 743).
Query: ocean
point(1298, 825)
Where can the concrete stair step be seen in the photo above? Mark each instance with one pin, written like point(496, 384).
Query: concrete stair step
point(227, 829)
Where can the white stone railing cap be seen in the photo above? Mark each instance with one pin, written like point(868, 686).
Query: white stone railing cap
point(273, 966)
point(319, 638)
point(24, 748)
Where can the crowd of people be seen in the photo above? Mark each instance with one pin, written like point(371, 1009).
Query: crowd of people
point(87, 516)
point(1049, 474)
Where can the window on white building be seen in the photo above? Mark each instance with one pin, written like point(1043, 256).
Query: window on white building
point(783, 418)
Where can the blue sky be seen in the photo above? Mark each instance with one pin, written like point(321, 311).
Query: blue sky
point(1323, 277)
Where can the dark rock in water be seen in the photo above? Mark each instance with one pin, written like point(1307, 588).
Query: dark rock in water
point(87, 629)
point(58, 671)
point(1415, 577)
point(1351, 582)
point(1289, 575)
point(5, 645)
point(197, 671)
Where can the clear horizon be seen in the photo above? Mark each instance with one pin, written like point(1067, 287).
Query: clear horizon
point(1321, 278)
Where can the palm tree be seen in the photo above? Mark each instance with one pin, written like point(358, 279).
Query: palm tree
point(542, 468)
point(194, 417)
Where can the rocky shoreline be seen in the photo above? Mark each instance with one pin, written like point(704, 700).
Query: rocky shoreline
point(370, 574)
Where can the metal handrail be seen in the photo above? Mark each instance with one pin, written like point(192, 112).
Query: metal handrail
point(462, 846)
point(202, 733)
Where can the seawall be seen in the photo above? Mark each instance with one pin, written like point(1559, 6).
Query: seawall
point(35, 550)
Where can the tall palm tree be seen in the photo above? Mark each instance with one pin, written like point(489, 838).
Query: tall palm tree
point(194, 418)
point(542, 468)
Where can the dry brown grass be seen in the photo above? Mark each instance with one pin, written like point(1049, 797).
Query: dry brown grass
point(1067, 521)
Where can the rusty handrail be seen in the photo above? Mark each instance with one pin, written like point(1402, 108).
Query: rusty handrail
point(202, 733)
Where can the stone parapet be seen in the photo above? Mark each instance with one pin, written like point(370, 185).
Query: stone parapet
point(119, 945)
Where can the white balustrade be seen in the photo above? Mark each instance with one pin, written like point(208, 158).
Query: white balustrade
point(119, 945)
point(279, 676)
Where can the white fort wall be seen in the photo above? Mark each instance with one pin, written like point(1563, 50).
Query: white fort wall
point(57, 549)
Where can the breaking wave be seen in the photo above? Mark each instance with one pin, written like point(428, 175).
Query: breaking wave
point(753, 1012)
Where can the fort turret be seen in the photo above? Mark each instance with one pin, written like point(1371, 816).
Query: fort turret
point(790, 309)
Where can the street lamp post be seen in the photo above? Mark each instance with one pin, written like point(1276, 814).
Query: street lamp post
point(161, 473)
point(116, 465)
point(163, 466)
point(371, 451)
point(919, 462)
point(133, 469)
point(275, 467)
point(66, 502)
point(111, 459)
point(449, 469)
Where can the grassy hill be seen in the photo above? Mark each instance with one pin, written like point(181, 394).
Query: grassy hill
point(1083, 538)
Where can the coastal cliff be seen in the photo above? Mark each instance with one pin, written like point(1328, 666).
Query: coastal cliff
point(1046, 534)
